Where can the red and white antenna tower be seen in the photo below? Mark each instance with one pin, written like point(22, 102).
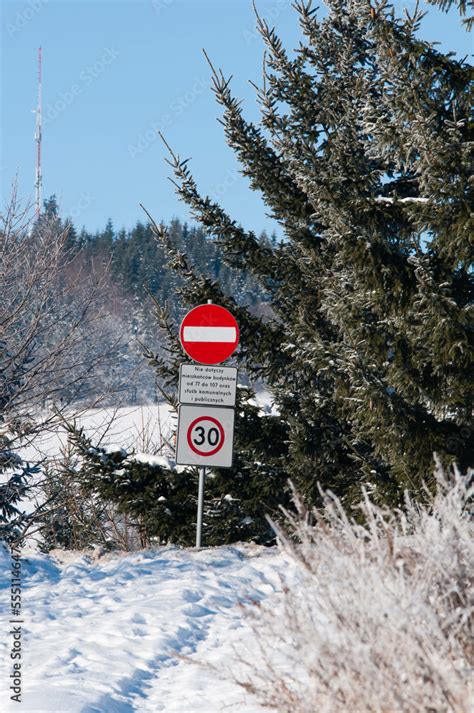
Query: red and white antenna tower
point(39, 177)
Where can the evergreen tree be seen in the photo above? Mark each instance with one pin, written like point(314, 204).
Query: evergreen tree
point(15, 472)
point(161, 500)
point(363, 156)
point(51, 209)
point(16, 477)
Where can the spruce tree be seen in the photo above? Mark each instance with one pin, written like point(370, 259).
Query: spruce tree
point(16, 476)
point(363, 156)
point(159, 499)
point(15, 473)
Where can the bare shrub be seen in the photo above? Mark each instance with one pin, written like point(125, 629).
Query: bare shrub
point(378, 616)
point(55, 335)
point(59, 344)
point(68, 516)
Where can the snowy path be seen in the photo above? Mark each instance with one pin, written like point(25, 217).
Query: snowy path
point(102, 636)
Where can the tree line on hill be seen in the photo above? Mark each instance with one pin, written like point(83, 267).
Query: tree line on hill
point(138, 262)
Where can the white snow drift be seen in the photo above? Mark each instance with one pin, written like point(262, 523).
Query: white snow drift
point(105, 635)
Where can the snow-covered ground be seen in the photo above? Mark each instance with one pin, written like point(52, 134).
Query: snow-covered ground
point(143, 428)
point(105, 635)
point(133, 632)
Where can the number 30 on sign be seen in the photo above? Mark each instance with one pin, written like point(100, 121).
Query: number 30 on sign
point(205, 436)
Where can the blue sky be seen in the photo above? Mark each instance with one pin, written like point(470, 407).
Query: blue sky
point(113, 72)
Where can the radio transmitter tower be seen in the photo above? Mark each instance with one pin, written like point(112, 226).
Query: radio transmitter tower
point(39, 177)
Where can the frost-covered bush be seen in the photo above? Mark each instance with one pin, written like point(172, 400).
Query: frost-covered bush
point(379, 617)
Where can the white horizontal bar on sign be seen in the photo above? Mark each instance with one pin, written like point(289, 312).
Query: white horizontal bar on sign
point(209, 334)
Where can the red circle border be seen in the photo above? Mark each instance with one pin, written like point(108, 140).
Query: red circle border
point(221, 431)
point(226, 349)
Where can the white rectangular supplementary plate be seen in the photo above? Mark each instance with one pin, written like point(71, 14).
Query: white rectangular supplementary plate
point(211, 385)
point(205, 436)
point(209, 334)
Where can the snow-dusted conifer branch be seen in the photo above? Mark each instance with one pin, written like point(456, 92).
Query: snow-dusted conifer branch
point(389, 200)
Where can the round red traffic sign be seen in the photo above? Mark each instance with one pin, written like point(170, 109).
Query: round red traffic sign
point(205, 435)
point(209, 334)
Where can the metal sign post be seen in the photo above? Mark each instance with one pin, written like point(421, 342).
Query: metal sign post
point(202, 478)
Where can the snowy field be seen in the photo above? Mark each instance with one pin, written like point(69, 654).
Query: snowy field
point(145, 429)
point(105, 635)
point(133, 632)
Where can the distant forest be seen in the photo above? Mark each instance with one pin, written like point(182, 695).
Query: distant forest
point(138, 262)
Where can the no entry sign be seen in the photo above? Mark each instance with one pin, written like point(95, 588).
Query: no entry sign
point(209, 334)
point(205, 436)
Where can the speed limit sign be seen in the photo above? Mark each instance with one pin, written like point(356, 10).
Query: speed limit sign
point(205, 436)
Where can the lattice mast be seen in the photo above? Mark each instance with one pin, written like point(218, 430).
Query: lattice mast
point(39, 177)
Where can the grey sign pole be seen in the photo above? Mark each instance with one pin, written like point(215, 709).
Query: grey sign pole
point(202, 478)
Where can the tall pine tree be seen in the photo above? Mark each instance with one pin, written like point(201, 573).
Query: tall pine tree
point(363, 156)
